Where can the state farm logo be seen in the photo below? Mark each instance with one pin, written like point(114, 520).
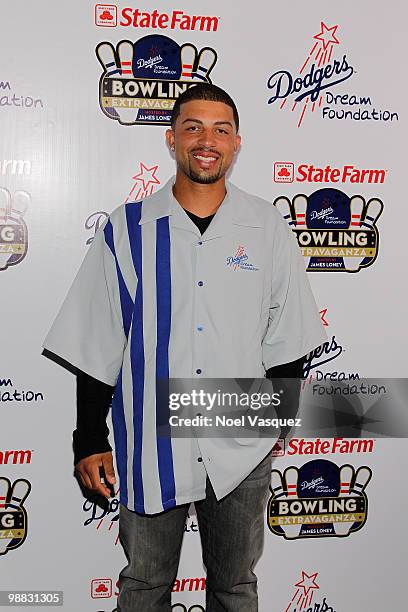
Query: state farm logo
point(106, 16)
point(15, 457)
point(284, 172)
point(306, 89)
point(278, 449)
point(335, 232)
point(141, 81)
point(317, 446)
point(188, 584)
point(15, 167)
point(319, 499)
point(101, 588)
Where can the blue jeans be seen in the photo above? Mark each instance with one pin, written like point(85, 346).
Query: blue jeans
point(231, 532)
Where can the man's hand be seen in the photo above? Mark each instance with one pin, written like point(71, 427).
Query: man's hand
point(88, 470)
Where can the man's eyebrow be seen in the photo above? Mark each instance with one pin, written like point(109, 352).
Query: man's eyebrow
point(201, 123)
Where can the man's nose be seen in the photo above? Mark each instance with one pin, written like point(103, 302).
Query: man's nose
point(207, 138)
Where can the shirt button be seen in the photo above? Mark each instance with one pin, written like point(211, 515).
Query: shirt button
point(200, 283)
point(200, 459)
point(200, 328)
point(198, 371)
point(200, 243)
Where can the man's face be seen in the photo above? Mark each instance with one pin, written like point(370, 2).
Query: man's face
point(204, 140)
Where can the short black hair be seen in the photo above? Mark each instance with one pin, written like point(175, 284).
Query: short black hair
point(204, 91)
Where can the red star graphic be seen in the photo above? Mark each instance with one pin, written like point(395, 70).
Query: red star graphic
point(147, 176)
point(308, 582)
point(322, 314)
point(327, 35)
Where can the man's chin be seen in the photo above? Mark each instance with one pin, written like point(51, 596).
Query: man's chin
point(204, 179)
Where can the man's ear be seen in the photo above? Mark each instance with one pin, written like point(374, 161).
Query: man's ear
point(170, 139)
point(237, 143)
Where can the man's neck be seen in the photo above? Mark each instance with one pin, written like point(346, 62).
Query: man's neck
point(200, 199)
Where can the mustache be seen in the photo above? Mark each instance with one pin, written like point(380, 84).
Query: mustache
point(206, 150)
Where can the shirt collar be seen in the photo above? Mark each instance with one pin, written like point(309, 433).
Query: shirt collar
point(235, 208)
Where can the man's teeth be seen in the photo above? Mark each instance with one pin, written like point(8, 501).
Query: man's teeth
point(206, 159)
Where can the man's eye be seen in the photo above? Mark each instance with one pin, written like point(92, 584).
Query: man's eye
point(222, 131)
point(192, 128)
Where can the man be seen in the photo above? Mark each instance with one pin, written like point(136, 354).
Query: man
point(200, 280)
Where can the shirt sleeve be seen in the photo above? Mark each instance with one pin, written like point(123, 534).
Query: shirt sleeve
point(294, 326)
point(88, 330)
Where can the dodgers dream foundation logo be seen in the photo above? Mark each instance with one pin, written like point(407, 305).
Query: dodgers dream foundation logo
point(319, 499)
point(239, 261)
point(335, 233)
point(141, 81)
point(318, 72)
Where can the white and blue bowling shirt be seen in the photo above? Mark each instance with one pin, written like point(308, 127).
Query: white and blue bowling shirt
point(154, 299)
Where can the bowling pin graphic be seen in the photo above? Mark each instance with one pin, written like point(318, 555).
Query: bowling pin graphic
point(19, 493)
point(300, 206)
point(279, 494)
point(188, 56)
point(361, 480)
point(346, 476)
point(356, 210)
point(125, 53)
point(291, 479)
point(19, 204)
point(373, 211)
point(206, 62)
point(283, 206)
point(106, 55)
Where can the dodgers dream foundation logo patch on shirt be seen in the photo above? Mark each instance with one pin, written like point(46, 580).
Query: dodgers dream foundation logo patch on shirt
point(240, 260)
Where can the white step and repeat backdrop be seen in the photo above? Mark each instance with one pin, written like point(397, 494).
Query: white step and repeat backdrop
point(320, 89)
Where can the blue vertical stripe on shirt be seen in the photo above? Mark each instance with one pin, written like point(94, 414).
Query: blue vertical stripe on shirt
point(163, 302)
point(133, 212)
point(126, 301)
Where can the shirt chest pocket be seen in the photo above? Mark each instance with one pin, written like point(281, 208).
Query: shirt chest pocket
point(237, 274)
